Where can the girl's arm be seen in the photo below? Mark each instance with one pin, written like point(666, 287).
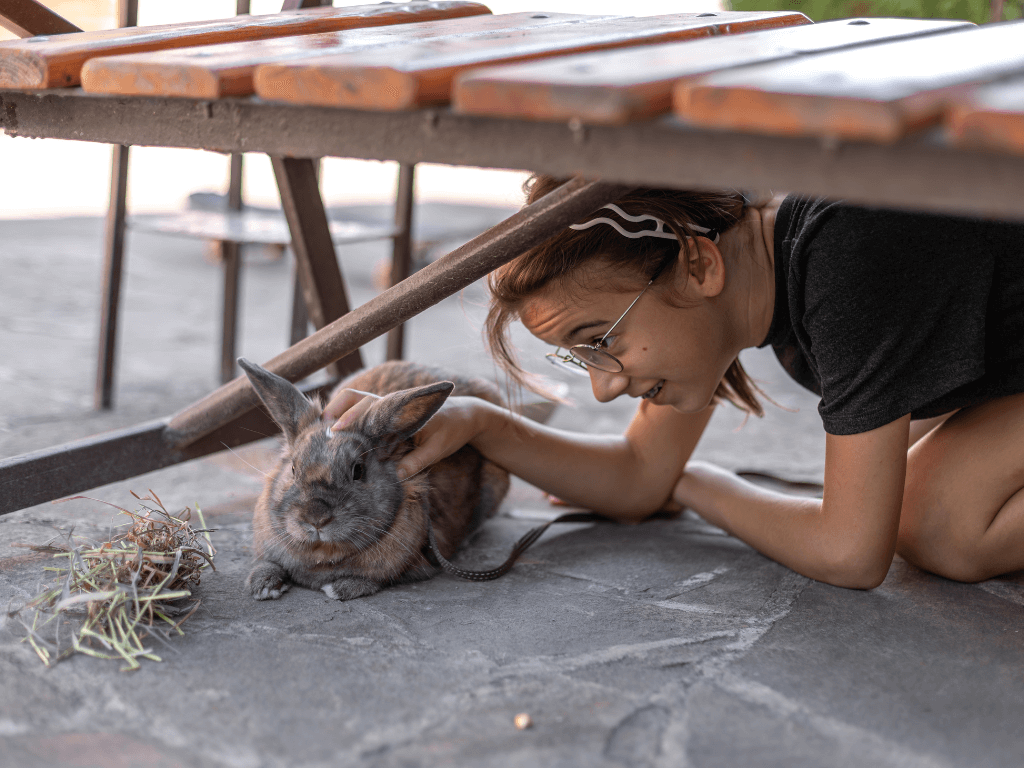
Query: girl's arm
point(848, 538)
point(626, 477)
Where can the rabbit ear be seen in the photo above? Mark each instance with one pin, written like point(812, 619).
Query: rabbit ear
point(288, 407)
point(402, 414)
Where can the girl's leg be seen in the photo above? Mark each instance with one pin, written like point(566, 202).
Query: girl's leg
point(922, 427)
point(963, 506)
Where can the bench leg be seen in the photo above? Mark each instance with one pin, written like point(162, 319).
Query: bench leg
point(401, 253)
point(300, 317)
point(319, 274)
point(231, 260)
point(113, 267)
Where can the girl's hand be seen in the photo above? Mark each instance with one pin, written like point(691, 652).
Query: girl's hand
point(458, 422)
point(346, 407)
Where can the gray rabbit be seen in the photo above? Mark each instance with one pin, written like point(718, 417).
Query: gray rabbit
point(333, 515)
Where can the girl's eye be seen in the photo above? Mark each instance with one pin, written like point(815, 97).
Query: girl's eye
point(604, 342)
point(357, 471)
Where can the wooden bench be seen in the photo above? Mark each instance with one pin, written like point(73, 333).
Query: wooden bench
point(853, 94)
point(615, 88)
point(56, 61)
point(921, 169)
point(213, 71)
point(421, 73)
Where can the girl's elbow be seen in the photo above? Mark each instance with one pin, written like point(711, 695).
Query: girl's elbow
point(857, 569)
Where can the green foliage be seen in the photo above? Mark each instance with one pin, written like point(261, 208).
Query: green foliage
point(977, 11)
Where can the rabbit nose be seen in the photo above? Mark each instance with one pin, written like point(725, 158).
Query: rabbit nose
point(319, 517)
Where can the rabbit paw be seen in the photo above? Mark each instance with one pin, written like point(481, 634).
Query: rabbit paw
point(350, 588)
point(267, 581)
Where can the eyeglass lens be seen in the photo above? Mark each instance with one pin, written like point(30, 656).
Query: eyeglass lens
point(597, 358)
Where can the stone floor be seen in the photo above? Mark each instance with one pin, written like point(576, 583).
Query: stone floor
point(664, 644)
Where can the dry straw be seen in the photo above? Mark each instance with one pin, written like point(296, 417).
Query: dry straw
point(112, 596)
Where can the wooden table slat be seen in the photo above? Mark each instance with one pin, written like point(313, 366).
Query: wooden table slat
point(878, 93)
point(212, 71)
point(422, 73)
point(990, 117)
point(53, 62)
point(615, 87)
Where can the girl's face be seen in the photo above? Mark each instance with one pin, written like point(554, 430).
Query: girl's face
point(671, 355)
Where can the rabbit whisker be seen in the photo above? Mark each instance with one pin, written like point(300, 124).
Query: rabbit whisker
point(237, 456)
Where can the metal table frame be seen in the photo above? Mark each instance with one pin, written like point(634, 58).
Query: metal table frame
point(922, 173)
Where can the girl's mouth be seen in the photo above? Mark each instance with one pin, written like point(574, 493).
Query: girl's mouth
point(653, 391)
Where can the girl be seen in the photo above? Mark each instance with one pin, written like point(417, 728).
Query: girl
point(910, 327)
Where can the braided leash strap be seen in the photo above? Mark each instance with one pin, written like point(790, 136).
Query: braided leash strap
point(521, 546)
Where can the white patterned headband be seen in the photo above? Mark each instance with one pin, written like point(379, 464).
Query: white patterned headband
point(658, 231)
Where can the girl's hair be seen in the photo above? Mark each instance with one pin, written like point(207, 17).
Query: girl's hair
point(561, 256)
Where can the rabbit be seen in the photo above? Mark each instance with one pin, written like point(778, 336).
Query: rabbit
point(333, 515)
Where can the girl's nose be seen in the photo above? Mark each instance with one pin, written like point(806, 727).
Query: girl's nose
point(607, 386)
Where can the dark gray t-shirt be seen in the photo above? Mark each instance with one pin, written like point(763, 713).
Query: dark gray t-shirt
point(884, 313)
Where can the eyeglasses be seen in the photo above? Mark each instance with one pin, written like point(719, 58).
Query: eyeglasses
point(579, 357)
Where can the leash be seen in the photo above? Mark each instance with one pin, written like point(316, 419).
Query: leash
point(520, 546)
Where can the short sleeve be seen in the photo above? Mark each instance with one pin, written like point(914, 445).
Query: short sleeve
point(893, 313)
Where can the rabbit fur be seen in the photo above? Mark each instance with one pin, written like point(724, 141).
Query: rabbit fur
point(333, 515)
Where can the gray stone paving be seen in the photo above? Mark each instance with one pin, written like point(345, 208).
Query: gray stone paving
point(663, 644)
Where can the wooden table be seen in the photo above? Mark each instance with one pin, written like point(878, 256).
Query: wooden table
point(918, 163)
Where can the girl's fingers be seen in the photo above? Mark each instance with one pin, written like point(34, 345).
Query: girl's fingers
point(431, 447)
point(347, 406)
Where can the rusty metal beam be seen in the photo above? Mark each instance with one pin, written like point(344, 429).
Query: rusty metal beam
point(446, 276)
point(922, 173)
point(27, 18)
point(41, 476)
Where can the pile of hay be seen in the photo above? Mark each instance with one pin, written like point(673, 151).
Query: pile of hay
point(113, 595)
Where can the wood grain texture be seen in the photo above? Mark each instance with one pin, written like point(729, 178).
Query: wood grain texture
point(211, 71)
point(989, 117)
point(421, 74)
point(52, 62)
point(615, 87)
point(876, 93)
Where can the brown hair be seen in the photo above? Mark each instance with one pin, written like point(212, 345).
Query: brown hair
point(512, 284)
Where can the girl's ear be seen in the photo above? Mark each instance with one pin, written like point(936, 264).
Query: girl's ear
point(403, 414)
point(288, 407)
point(706, 267)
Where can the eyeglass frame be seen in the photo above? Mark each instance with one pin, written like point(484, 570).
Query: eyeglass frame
point(569, 359)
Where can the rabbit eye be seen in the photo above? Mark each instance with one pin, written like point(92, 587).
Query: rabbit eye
point(295, 469)
point(357, 471)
